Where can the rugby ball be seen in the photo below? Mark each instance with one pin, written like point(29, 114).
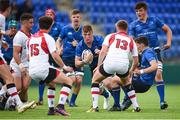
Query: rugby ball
point(85, 54)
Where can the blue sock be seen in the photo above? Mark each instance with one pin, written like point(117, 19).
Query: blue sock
point(105, 93)
point(116, 96)
point(73, 98)
point(160, 89)
point(41, 90)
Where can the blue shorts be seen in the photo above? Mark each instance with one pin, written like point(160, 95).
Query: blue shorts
point(139, 86)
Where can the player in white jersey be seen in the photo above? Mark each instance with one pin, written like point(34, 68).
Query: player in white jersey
point(10, 88)
point(115, 51)
point(19, 63)
point(40, 47)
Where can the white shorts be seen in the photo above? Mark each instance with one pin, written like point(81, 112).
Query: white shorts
point(42, 74)
point(15, 69)
point(118, 68)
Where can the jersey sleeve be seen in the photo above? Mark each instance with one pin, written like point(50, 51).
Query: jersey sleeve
point(51, 43)
point(106, 40)
point(100, 42)
point(150, 56)
point(133, 48)
point(17, 41)
point(131, 30)
point(159, 23)
point(79, 50)
point(62, 33)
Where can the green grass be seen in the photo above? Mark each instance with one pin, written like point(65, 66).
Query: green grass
point(149, 103)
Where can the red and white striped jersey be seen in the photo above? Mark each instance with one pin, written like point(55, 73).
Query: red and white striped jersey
point(40, 46)
point(120, 46)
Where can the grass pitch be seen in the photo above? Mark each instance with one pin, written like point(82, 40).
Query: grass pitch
point(149, 103)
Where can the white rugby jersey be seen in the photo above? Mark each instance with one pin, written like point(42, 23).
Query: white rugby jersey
point(20, 40)
point(39, 47)
point(2, 26)
point(120, 46)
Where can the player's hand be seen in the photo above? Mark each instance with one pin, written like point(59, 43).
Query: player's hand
point(22, 68)
point(137, 72)
point(166, 46)
point(5, 45)
point(88, 58)
point(67, 68)
point(74, 43)
point(97, 51)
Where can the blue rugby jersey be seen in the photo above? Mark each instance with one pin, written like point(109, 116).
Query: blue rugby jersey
point(146, 57)
point(97, 44)
point(68, 34)
point(149, 29)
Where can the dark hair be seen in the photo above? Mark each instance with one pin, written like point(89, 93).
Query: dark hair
point(4, 4)
point(142, 40)
point(87, 28)
point(75, 11)
point(140, 5)
point(45, 22)
point(122, 24)
point(26, 16)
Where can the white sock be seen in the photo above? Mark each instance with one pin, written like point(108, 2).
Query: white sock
point(132, 96)
point(3, 90)
point(51, 96)
point(95, 96)
point(64, 93)
point(14, 94)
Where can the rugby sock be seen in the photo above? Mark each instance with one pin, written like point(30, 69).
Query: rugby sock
point(41, 90)
point(132, 95)
point(116, 96)
point(3, 90)
point(160, 89)
point(105, 93)
point(95, 94)
point(64, 93)
point(51, 96)
point(11, 88)
point(73, 98)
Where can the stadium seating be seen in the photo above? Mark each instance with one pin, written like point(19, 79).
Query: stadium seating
point(105, 13)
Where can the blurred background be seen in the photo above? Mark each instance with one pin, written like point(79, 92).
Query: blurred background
point(103, 14)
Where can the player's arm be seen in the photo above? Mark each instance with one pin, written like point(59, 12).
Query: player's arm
point(134, 52)
point(102, 54)
point(153, 67)
point(16, 52)
point(59, 45)
point(168, 32)
point(78, 62)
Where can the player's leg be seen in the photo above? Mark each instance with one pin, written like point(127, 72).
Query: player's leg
point(160, 82)
point(41, 87)
point(26, 81)
point(77, 87)
point(65, 91)
point(105, 86)
point(116, 94)
point(126, 82)
point(98, 76)
point(139, 87)
point(11, 88)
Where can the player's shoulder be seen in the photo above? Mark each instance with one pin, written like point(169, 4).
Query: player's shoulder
point(58, 24)
point(133, 23)
point(19, 34)
point(149, 51)
point(48, 37)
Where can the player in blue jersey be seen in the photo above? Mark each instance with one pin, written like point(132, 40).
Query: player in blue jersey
point(149, 26)
point(70, 35)
point(8, 53)
point(93, 44)
point(143, 77)
point(54, 32)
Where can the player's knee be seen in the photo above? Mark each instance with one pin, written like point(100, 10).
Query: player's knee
point(158, 75)
point(69, 81)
